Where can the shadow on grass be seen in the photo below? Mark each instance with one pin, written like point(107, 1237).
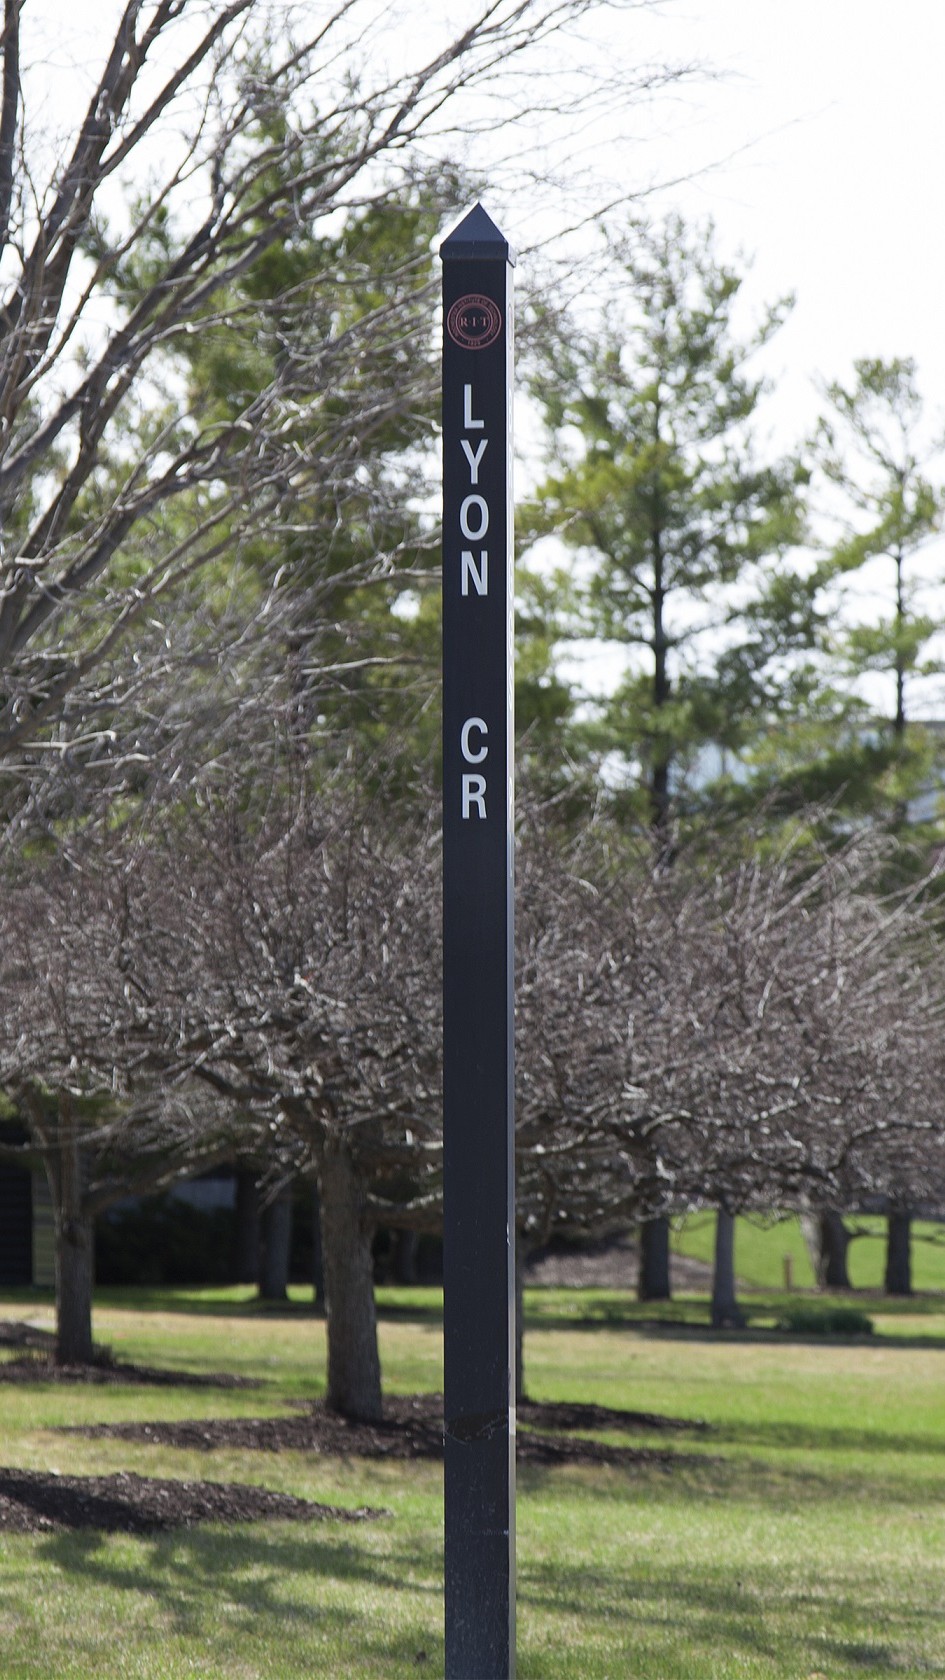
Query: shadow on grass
point(243, 1302)
point(410, 1312)
point(707, 1479)
point(546, 1308)
point(717, 1618)
point(311, 1595)
point(825, 1438)
point(239, 1302)
point(676, 1599)
point(258, 1577)
point(683, 1328)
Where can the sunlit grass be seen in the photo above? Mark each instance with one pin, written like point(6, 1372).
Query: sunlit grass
point(763, 1245)
point(800, 1535)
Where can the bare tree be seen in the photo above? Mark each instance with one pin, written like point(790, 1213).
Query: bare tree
point(98, 1124)
point(761, 1033)
point(211, 136)
point(286, 954)
point(756, 1034)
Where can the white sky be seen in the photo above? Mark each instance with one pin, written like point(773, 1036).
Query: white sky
point(832, 119)
point(817, 150)
point(819, 147)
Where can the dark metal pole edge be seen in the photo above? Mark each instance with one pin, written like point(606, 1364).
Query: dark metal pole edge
point(477, 251)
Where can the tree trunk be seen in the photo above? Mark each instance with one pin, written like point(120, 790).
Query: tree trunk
point(246, 1237)
point(659, 772)
point(899, 721)
point(653, 1282)
point(827, 1240)
point(832, 1271)
point(898, 1279)
point(277, 1240)
point(318, 1264)
point(354, 1367)
point(75, 1247)
point(726, 1313)
point(74, 1284)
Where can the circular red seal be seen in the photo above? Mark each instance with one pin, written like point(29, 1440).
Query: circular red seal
point(474, 322)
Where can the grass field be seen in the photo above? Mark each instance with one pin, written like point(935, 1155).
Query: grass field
point(761, 1247)
point(802, 1536)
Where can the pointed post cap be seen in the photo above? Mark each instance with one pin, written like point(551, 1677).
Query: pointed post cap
point(477, 237)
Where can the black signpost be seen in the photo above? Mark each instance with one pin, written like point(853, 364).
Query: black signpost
point(478, 1136)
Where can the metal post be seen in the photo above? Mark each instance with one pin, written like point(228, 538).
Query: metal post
point(478, 1131)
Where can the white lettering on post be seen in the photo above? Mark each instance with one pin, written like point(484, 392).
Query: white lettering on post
point(474, 793)
point(470, 424)
point(474, 457)
point(479, 574)
point(474, 523)
point(474, 506)
point(467, 751)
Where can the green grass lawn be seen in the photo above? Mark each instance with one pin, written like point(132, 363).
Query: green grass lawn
point(801, 1536)
point(762, 1246)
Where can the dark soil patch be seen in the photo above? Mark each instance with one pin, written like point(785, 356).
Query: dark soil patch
point(35, 1502)
point(571, 1414)
point(412, 1427)
point(37, 1363)
point(15, 1333)
point(35, 1367)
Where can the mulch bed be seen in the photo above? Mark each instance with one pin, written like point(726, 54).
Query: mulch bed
point(572, 1414)
point(42, 1367)
point(40, 1502)
point(412, 1427)
point(36, 1502)
point(37, 1363)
